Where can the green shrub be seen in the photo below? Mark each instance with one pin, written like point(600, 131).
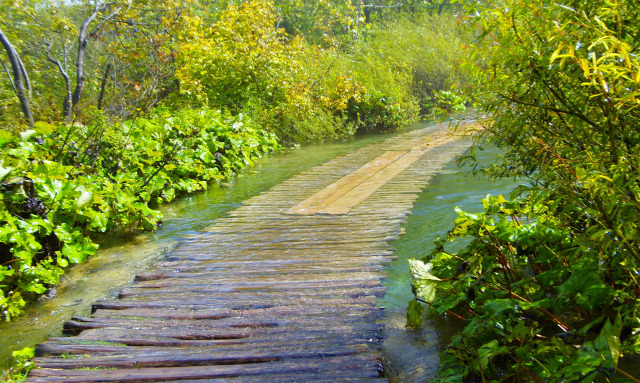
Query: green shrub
point(413, 59)
point(62, 184)
point(549, 283)
point(304, 92)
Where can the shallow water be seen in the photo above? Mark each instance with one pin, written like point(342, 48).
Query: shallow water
point(412, 355)
point(120, 259)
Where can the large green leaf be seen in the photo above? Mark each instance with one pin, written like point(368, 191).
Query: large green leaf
point(4, 171)
point(424, 282)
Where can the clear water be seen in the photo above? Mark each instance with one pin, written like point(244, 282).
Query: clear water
point(120, 259)
point(412, 355)
point(432, 216)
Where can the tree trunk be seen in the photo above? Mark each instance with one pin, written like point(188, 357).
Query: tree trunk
point(442, 5)
point(19, 77)
point(66, 104)
point(103, 85)
point(83, 37)
point(82, 50)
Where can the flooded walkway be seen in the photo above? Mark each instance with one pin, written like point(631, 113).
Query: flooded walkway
point(283, 289)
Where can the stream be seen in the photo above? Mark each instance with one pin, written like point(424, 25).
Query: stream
point(411, 356)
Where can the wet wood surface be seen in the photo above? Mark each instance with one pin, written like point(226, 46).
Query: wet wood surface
point(284, 289)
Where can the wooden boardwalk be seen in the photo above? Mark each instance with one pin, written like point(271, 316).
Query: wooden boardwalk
point(284, 289)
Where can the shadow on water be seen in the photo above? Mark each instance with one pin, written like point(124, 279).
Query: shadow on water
point(120, 259)
point(412, 355)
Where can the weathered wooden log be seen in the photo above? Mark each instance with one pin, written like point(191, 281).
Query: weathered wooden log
point(67, 347)
point(305, 339)
point(364, 323)
point(331, 366)
point(177, 358)
point(96, 330)
point(195, 290)
point(324, 276)
point(270, 284)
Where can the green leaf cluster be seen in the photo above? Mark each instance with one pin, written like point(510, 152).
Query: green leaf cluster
point(23, 364)
point(537, 304)
point(63, 184)
point(548, 285)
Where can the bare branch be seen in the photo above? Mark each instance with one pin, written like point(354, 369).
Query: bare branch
point(66, 106)
point(105, 20)
point(6, 70)
point(82, 49)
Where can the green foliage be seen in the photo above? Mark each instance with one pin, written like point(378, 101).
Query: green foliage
point(131, 45)
point(23, 364)
point(320, 22)
point(417, 57)
point(65, 184)
point(304, 92)
point(549, 282)
point(538, 304)
point(243, 62)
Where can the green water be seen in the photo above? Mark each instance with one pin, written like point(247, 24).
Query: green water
point(412, 355)
point(432, 216)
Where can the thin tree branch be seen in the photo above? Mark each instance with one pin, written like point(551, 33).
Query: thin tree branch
point(25, 76)
point(66, 105)
point(6, 70)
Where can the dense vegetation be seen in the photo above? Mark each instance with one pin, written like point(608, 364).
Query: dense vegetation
point(548, 281)
point(108, 109)
point(77, 181)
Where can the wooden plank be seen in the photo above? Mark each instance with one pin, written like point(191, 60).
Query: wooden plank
point(225, 323)
point(343, 195)
point(199, 314)
point(68, 347)
point(94, 330)
point(363, 191)
point(328, 364)
point(324, 276)
point(178, 358)
point(330, 292)
point(335, 190)
point(264, 340)
point(271, 284)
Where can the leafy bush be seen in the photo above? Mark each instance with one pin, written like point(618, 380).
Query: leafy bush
point(62, 184)
point(537, 303)
point(303, 92)
point(417, 58)
point(21, 367)
point(549, 284)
